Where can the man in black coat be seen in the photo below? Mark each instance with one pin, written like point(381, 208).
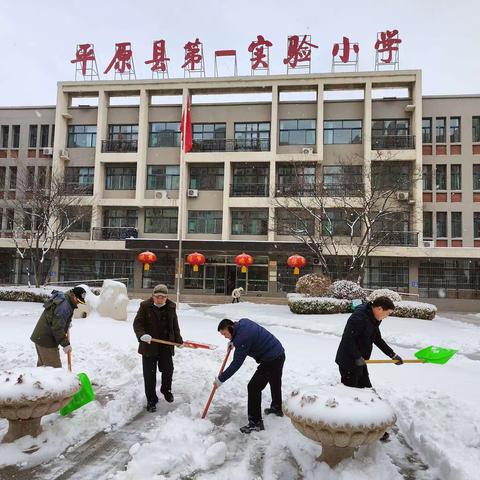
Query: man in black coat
point(361, 332)
point(157, 318)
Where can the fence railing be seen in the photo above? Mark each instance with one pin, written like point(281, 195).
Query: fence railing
point(114, 233)
point(120, 146)
point(393, 142)
point(249, 190)
point(397, 239)
point(231, 145)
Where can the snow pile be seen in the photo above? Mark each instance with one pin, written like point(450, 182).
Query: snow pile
point(113, 300)
point(347, 290)
point(410, 309)
point(384, 292)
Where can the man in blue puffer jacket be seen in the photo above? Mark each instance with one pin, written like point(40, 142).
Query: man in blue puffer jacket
point(250, 339)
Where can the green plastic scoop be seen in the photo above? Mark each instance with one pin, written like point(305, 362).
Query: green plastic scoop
point(82, 397)
point(431, 354)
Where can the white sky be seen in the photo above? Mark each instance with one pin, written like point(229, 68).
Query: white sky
point(440, 37)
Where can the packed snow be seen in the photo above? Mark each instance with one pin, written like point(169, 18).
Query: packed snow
point(436, 405)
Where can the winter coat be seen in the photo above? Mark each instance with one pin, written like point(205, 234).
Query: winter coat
point(52, 326)
point(161, 323)
point(237, 292)
point(250, 339)
point(361, 332)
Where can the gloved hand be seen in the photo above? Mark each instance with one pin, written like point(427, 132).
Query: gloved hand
point(67, 349)
point(217, 382)
point(398, 359)
point(180, 346)
point(230, 344)
point(146, 338)
point(360, 362)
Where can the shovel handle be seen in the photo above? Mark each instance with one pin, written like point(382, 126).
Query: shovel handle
point(69, 354)
point(166, 342)
point(395, 361)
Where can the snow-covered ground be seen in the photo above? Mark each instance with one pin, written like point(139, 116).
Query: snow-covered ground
point(436, 406)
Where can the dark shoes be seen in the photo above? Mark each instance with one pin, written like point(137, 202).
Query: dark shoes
point(385, 437)
point(151, 407)
point(273, 411)
point(252, 427)
point(167, 394)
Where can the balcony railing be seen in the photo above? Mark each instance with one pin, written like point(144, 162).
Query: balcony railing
point(75, 188)
point(231, 145)
point(295, 190)
point(119, 146)
point(114, 233)
point(249, 190)
point(397, 239)
point(393, 142)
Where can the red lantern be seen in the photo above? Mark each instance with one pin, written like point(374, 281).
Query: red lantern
point(296, 262)
point(196, 259)
point(244, 260)
point(147, 258)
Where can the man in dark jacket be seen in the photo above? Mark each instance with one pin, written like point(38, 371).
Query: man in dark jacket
point(157, 318)
point(250, 339)
point(52, 327)
point(361, 332)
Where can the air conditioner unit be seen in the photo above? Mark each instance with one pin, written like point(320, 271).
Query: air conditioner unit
point(402, 196)
point(47, 151)
point(192, 193)
point(159, 194)
point(307, 150)
point(428, 244)
point(64, 154)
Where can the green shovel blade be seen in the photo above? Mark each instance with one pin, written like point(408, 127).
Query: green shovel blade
point(434, 354)
point(82, 397)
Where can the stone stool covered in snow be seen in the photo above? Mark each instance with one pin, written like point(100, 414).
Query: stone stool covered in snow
point(339, 417)
point(27, 394)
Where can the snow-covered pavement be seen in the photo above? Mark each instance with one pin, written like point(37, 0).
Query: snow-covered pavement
point(436, 406)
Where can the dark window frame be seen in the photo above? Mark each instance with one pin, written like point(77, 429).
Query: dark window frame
point(286, 132)
point(340, 130)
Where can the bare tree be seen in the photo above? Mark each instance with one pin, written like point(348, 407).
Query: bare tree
point(43, 217)
point(350, 214)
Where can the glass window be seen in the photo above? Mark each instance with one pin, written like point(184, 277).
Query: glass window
point(13, 178)
point(476, 224)
point(456, 219)
point(83, 224)
point(16, 136)
point(475, 129)
point(4, 131)
point(120, 217)
point(250, 222)
point(164, 134)
point(337, 222)
point(388, 176)
point(163, 177)
point(30, 178)
point(253, 135)
point(32, 136)
point(121, 178)
point(10, 218)
point(3, 171)
point(205, 221)
point(82, 136)
point(338, 132)
point(455, 134)
point(123, 132)
point(79, 180)
point(441, 177)
point(209, 131)
point(294, 222)
point(426, 130)
point(250, 180)
point(390, 127)
point(427, 177)
point(42, 177)
point(161, 220)
point(297, 132)
point(296, 179)
point(441, 135)
point(206, 177)
point(441, 224)
point(427, 225)
point(476, 177)
point(456, 177)
point(44, 134)
point(340, 179)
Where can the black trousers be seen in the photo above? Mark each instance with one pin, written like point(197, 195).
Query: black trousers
point(164, 362)
point(267, 372)
point(355, 377)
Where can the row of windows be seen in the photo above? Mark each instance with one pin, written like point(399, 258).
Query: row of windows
point(441, 177)
point(454, 131)
point(33, 136)
point(456, 230)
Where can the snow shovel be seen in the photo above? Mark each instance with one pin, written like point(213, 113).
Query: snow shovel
point(210, 398)
point(430, 354)
point(186, 343)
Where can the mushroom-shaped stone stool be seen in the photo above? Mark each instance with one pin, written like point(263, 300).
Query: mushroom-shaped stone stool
point(27, 394)
point(340, 418)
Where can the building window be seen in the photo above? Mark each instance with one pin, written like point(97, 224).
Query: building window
point(42, 177)
point(441, 224)
point(209, 131)
point(164, 134)
point(426, 130)
point(83, 224)
point(10, 214)
point(338, 180)
point(206, 177)
point(13, 178)
point(163, 177)
point(44, 134)
point(476, 224)
point(293, 222)
point(389, 273)
point(296, 180)
point(121, 178)
point(250, 180)
point(53, 136)
point(456, 177)
point(120, 218)
point(205, 221)
point(250, 136)
point(388, 176)
point(161, 220)
point(337, 222)
point(440, 133)
point(123, 132)
point(297, 132)
point(16, 136)
point(441, 177)
point(3, 171)
point(455, 134)
point(82, 136)
point(341, 132)
point(427, 225)
point(250, 222)
point(427, 177)
point(475, 129)
point(79, 180)
point(4, 131)
point(476, 177)
point(456, 224)
point(392, 127)
point(32, 136)
point(30, 178)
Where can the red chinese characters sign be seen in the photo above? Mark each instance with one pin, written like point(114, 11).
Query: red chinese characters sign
point(193, 55)
point(387, 44)
point(260, 53)
point(122, 60)
point(343, 51)
point(159, 57)
point(84, 54)
point(298, 51)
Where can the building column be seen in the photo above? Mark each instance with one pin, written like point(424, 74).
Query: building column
point(274, 120)
point(60, 141)
point(142, 148)
point(226, 217)
point(413, 275)
point(272, 276)
point(320, 117)
point(102, 132)
point(367, 137)
point(272, 166)
point(417, 216)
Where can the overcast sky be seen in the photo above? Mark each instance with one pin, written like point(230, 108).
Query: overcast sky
point(441, 37)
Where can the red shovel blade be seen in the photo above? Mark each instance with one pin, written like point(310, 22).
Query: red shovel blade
point(190, 344)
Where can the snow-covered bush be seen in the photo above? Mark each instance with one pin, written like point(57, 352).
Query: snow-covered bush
point(313, 284)
point(347, 290)
point(384, 292)
point(302, 304)
point(22, 296)
point(409, 309)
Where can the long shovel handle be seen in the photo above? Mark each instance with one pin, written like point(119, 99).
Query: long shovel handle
point(166, 342)
point(394, 361)
point(210, 398)
point(69, 354)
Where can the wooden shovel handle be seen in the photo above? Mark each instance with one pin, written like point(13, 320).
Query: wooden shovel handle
point(166, 342)
point(395, 361)
point(69, 354)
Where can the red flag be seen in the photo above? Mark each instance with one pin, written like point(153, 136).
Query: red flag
point(186, 128)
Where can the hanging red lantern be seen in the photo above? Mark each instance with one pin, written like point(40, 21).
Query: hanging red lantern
point(296, 262)
point(196, 259)
point(147, 258)
point(244, 260)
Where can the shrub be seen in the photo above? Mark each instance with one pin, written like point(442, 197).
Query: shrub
point(313, 284)
point(22, 296)
point(409, 309)
point(301, 304)
point(347, 290)
point(384, 292)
